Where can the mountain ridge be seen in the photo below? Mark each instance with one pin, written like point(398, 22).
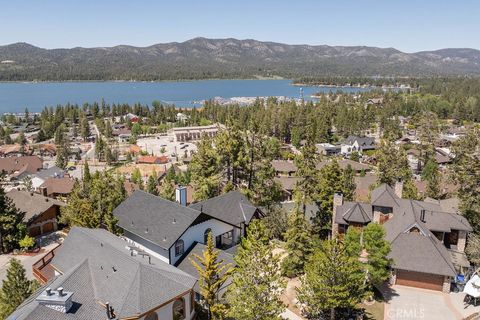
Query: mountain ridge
point(204, 58)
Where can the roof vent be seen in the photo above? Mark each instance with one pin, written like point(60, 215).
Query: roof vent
point(422, 215)
point(146, 230)
point(61, 301)
point(164, 238)
point(174, 220)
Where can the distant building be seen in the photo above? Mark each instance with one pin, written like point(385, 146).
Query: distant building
point(183, 134)
point(357, 144)
point(19, 167)
point(152, 159)
point(328, 149)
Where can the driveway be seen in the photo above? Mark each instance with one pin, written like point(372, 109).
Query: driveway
point(405, 303)
point(27, 261)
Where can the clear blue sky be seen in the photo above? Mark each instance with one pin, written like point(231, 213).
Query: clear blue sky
point(407, 25)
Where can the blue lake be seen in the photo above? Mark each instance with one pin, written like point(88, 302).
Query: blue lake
point(15, 97)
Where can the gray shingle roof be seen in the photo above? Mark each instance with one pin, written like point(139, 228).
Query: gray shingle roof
point(284, 166)
point(32, 204)
point(97, 267)
point(421, 252)
point(354, 212)
point(50, 172)
point(155, 219)
point(232, 207)
point(362, 141)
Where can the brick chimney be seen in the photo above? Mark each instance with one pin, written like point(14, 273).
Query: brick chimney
point(337, 201)
point(399, 188)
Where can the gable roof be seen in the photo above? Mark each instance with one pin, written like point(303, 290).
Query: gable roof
point(344, 163)
point(362, 141)
point(32, 204)
point(284, 166)
point(232, 207)
point(154, 219)
point(58, 185)
point(97, 269)
point(384, 196)
point(27, 164)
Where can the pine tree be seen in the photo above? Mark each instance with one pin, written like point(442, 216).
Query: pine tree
point(299, 244)
point(378, 249)
point(213, 273)
point(205, 169)
point(152, 184)
point(306, 163)
point(12, 228)
point(15, 288)
point(431, 175)
point(87, 178)
point(167, 190)
point(257, 282)
point(333, 280)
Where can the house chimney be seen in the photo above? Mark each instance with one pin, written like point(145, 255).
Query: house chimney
point(399, 188)
point(61, 301)
point(422, 215)
point(181, 195)
point(337, 201)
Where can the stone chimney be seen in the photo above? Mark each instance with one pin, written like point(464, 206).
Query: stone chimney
point(337, 201)
point(59, 300)
point(399, 188)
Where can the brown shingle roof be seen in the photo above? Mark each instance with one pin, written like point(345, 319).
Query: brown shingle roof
point(32, 204)
point(62, 186)
point(28, 164)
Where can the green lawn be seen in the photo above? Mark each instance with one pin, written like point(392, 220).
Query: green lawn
point(375, 311)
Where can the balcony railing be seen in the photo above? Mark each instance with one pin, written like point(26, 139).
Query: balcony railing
point(42, 270)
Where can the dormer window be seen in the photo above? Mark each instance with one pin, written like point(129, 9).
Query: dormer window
point(179, 248)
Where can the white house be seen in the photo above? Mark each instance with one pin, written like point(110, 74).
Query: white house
point(167, 229)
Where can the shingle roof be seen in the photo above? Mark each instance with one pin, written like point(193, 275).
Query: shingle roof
point(288, 183)
point(32, 204)
point(384, 196)
point(232, 207)
point(28, 164)
point(153, 218)
point(362, 141)
point(284, 166)
point(354, 212)
point(61, 185)
point(50, 172)
point(97, 269)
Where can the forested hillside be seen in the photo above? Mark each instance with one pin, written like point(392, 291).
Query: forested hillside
point(202, 58)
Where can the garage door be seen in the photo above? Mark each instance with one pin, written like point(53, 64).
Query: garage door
point(47, 227)
point(420, 280)
point(34, 231)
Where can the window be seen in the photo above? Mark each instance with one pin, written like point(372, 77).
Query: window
point(179, 309)
point(205, 235)
point(179, 248)
point(152, 316)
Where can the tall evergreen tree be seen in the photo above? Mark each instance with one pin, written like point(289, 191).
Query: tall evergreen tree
point(431, 175)
point(205, 169)
point(15, 288)
point(333, 280)
point(12, 228)
point(213, 273)
point(299, 244)
point(257, 282)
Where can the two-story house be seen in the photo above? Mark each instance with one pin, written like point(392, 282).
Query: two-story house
point(97, 276)
point(167, 229)
point(427, 239)
point(357, 144)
